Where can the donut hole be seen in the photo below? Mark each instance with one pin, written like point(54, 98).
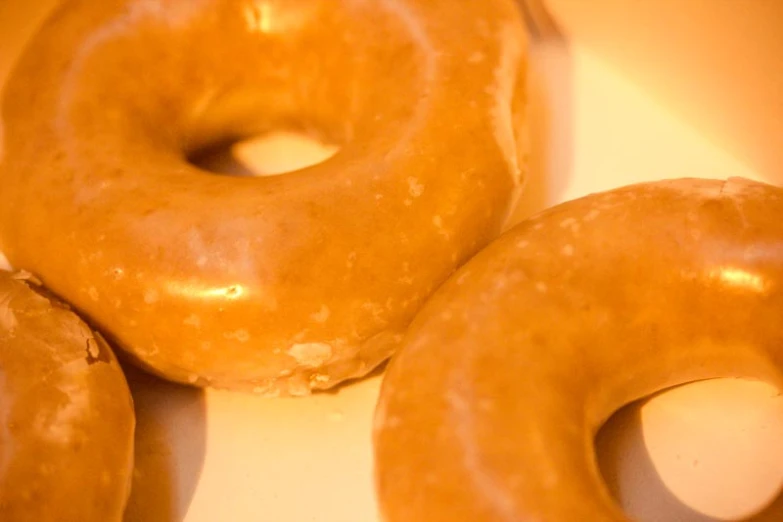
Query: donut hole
point(267, 154)
point(219, 90)
point(702, 452)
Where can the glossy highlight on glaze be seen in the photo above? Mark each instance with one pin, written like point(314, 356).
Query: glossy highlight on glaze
point(219, 281)
point(489, 410)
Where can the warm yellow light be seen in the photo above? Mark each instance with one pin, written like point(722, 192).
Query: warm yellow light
point(258, 17)
point(196, 291)
point(740, 278)
point(276, 17)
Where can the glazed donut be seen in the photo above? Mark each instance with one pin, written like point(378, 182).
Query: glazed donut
point(66, 430)
point(489, 410)
point(278, 284)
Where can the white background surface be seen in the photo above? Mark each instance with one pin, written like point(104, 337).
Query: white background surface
point(701, 451)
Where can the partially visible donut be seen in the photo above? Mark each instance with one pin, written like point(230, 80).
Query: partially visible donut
point(489, 411)
point(280, 284)
point(66, 414)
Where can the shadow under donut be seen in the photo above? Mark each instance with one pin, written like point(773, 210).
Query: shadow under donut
point(549, 112)
point(170, 448)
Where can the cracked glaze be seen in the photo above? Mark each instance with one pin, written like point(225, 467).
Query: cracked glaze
point(489, 411)
point(66, 415)
point(216, 280)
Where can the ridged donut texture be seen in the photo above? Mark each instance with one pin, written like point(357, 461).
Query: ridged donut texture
point(66, 414)
point(489, 411)
point(285, 283)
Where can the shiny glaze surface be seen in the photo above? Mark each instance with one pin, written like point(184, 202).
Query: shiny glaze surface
point(278, 284)
point(489, 411)
point(66, 415)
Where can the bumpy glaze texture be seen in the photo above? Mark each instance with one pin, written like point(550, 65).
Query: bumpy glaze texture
point(489, 411)
point(278, 284)
point(66, 414)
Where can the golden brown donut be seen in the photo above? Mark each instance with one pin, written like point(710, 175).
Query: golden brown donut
point(66, 415)
point(283, 283)
point(489, 411)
